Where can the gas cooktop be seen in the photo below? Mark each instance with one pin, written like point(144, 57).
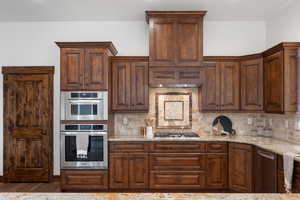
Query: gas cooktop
point(175, 135)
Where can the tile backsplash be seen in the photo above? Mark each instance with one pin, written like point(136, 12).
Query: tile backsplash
point(283, 126)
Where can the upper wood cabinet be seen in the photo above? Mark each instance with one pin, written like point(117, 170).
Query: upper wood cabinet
point(280, 78)
point(175, 38)
point(252, 83)
point(130, 90)
point(84, 65)
point(240, 167)
point(220, 89)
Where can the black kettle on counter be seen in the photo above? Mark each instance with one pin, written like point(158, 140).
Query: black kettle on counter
point(226, 124)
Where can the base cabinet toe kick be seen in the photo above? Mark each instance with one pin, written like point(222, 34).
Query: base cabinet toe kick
point(181, 166)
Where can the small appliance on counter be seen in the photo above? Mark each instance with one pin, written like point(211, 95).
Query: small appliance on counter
point(222, 125)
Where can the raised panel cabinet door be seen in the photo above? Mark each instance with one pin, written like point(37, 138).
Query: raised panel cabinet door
point(252, 85)
point(138, 171)
point(217, 168)
point(118, 171)
point(189, 41)
point(139, 86)
point(162, 43)
point(27, 127)
point(96, 69)
point(273, 84)
point(230, 86)
point(291, 59)
point(121, 84)
point(72, 69)
point(240, 168)
point(210, 92)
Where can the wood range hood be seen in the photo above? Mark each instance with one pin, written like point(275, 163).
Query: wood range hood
point(175, 48)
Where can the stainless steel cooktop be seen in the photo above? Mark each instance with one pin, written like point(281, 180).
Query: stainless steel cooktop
point(175, 135)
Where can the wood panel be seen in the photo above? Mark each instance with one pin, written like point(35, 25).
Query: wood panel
point(273, 83)
point(189, 147)
point(74, 180)
point(162, 34)
point(118, 171)
point(139, 86)
point(217, 171)
point(240, 167)
point(210, 92)
point(177, 180)
point(121, 86)
point(117, 147)
point(28, 117)
point(217, 147)
point(230, 86)
point(189, 38)
point(252, 85)
point(72, 69)
point(138, 171)
point(177, 161)
point(96, 69)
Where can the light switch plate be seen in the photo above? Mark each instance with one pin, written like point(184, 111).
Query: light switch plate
point(286, 123)
point(125, 121)
point(270, 122)
point(297, 125)
point(250, 121)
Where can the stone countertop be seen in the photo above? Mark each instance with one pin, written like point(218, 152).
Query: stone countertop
point(146, 196)
point(271, 144)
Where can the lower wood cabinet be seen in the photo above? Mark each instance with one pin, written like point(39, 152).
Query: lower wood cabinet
point(240, 167)
point(217, 171)
point(128, 171)
point(177, 180)
point(84, 180)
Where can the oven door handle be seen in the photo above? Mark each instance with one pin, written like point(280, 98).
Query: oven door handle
point(88, 133)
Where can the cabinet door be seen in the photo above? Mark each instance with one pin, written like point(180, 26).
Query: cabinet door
point(230, 86)
point(72, 69)
point(273, 84)
point(139, 86)
point(210, 92)
point(138, 171)
point(121, 86)
point(290, 79)
point(189, 41)
point(162, 41)
point(96, 69)
point(216, 177)
point(252, 85)
point(240, 168)
point(118, 171)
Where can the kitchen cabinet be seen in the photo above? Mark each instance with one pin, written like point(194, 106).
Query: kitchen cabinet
point(280, 78)
point(240, 167)
point(220, 86)
point(265, 171)
point(184, 27)
point(85, 65)
point(87, 180)
point(128, 170)
point(130, 90)
point(252, 83)
point(128, 165)
point(216, 175)
point(28, 123)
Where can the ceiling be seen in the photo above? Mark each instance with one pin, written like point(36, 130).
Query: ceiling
point(69, 10)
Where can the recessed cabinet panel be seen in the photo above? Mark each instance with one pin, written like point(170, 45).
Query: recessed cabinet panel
point(72, 70)
point(252, 85)
point(273, 78)
point(216, 175)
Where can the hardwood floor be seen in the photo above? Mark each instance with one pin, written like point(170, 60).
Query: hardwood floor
point(30, 187)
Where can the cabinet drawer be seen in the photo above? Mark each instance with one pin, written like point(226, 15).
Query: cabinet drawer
point(116, 147)
point(217, 147)
point(189, 147)
point(84, 179)
point(177, 180)
point(177, 161)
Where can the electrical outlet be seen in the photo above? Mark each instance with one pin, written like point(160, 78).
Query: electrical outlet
point(250, 121)
point(125, 121)
point(286, 123)
point(297, 125)
point(270, 122)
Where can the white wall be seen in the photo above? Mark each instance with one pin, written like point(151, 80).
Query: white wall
point(32, 43)
point(285, 26)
